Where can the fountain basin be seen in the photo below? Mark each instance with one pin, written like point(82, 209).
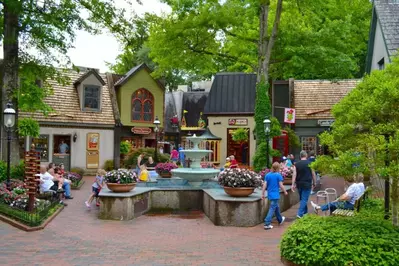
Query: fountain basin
point(195, 174)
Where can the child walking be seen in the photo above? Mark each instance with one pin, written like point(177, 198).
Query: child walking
point(273, 182)
point(96, 187)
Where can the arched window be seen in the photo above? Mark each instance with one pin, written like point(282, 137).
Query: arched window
point(142, 106)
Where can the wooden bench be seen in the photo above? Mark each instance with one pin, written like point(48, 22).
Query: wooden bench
point(350, 213)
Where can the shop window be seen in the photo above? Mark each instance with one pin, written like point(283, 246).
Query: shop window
point(91, 98)
point(309, 144)
point(42, 145)
point(142, 106)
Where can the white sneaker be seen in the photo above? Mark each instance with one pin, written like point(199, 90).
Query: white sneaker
point(315, 207)
point(268, 227)
point(282, 220)
point(299, 217)
point(87, 204)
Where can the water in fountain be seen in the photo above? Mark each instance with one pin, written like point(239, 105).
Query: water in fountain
point(195, 173)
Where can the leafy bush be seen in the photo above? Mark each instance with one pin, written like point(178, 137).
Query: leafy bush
point(109, 165)
point(260, 158)
point(16, 171)
point(77, 170)
point(125, 147)
point(365, 239)
point(237, 177)
point(131, 160)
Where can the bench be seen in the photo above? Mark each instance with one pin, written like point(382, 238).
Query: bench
point(350, 213)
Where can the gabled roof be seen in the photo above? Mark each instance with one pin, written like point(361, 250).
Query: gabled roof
point(66, 106)
point(232, 93)
point(193, 103)
point(314, 99)
point(132, 72)
point(388, 15)
point(87, 74)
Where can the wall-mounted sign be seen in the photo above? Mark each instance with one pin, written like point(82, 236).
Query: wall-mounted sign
point(238, 122)
point(217, 123)
point(92, 159)
point(325, 123)
point(141, 130)
point(289, 116)
point(93, 141)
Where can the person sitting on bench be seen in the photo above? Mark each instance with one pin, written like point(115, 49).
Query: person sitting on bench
point(47, 184)
point(347, 200)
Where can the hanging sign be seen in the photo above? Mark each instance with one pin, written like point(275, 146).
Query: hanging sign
point(141, 130)
point(289, 116)
point(93, 141)
point(325, 123)
point(238, 122)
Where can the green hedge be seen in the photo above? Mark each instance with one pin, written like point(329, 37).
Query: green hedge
point(365, 239)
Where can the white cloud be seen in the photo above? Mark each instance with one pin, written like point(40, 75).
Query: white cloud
point(95, 50)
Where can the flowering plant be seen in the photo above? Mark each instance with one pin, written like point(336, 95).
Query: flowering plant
point(286, 172)
point(121, 176)
point(237, 177)
point(74, 177)
point(264, 172)
point(165, 167)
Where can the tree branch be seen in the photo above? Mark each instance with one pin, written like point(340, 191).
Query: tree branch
point(227, 32)
point(222, 55)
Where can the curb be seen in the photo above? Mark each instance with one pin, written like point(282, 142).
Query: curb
point(28, 228)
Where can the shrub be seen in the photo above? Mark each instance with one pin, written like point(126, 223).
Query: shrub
point(237, 177)
point(131, 160)
point(121, 176)
point(125, 147)
point(260, 158)
point(365, 239)
point(16, 171)
point(109, 165)
point(77, 170)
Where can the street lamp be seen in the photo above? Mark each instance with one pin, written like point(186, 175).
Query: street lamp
point(156, 129)
point(9, 122)
point(266, 124)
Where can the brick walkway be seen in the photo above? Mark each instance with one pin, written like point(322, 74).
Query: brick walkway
point(77, 237)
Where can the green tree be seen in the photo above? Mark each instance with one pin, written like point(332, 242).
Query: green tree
point(365, 135)
point(48, 28)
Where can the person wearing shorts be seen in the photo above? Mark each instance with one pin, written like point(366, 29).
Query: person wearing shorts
point(96, 188)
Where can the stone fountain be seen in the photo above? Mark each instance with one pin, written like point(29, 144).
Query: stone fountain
point(195, 173)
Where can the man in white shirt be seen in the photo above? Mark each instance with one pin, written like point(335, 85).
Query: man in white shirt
point(345, 201)
point(46, 180)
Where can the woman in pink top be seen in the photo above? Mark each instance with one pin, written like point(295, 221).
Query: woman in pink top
point(174, 155)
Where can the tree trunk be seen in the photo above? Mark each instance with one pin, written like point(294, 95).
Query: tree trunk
point(395, 199)
point(10, 73)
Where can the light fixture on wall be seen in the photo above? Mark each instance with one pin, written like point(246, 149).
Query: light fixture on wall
point(75, 137)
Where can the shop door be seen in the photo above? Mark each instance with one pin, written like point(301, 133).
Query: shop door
point(239, 150)
point(62, 150)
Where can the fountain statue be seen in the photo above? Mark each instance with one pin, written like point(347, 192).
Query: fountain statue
point(195, 173)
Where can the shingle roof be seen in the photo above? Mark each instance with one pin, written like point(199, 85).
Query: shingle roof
point(65, 103)
point(132, 72)
point(313, 99)
point(85, 75)
point(388, 15)
point(232, 93)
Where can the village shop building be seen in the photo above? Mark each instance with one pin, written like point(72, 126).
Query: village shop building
point(312, 101)
point(139, 100)
point(231, 105)
point(80, 130)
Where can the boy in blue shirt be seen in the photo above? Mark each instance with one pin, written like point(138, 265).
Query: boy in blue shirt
point(273, 182)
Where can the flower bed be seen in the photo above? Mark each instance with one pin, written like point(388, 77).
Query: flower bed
point(75, 178)
point(238, 177)
point(121, 176)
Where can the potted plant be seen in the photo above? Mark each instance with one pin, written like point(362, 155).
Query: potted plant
point(239, 182)
point(163, 169)
point(287, 172)
point(121, 180)
point(240, 135)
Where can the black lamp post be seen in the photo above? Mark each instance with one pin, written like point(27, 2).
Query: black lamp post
point(156, 129)
point(266, 124)
point(9, 122)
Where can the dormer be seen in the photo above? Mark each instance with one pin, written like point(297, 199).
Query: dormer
point(89, 88)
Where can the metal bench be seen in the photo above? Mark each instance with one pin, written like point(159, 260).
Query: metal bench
point(350, 213)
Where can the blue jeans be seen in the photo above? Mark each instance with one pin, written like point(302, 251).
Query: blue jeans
point(335, 205)
point(303, 201)
point(67, 189)
point(274, 209)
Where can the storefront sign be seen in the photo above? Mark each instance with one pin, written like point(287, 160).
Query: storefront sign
point(289, 116)
point(325, 123)
point(238, 122)
point(93, 141)
point(141, 130)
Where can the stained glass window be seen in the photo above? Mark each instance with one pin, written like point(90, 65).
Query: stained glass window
point(142, 106)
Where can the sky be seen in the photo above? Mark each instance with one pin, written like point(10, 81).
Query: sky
point(95, 50)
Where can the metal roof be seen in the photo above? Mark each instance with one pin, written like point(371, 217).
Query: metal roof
point(209, 135)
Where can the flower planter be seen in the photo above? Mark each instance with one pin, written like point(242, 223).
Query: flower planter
point(239, 191)
point(165, 174)
point(287, 181)
point(120, 188)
